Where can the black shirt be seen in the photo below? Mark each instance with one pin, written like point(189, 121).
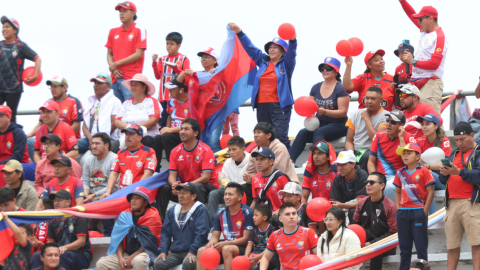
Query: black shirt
point(19, 258)
point(17, 190)
point(12, 59)
point(131, 241)
point(259, 238)
point(345, 191)
point(65, 231)
point(303, 219)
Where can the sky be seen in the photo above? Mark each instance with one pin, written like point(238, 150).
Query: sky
point(70, 37)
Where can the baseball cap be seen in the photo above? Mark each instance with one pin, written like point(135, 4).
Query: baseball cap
point(427, 11)
point(126, 5)
point(402, 47)
point(397, 115)
point(370, 54)
point(52, 137)
point(409, 89)
point(462, 128)
point(12, 165)
point(12, 21)
point(173, 83)
point(345, 157)
point(62, 193)
point(291, 188)
point(277, 41)
point(51, 106)
point(264, 152)
point(210, 51)
point(133, 129)
point(5, 110)
point(410, 146)
point(430, 117)
point(62, 159)
point(142, 192)
point(102, 77)
point(57, 80)
point(333, 62)
point(186, 186)
point(426, 265)
point(323, 146)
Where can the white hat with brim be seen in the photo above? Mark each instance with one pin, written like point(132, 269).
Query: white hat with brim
point(140, 78)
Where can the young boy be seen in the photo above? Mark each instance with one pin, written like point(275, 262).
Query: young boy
point(402, 75)
point(172, 64)
point(257, 241)
point(413, 197)
point(21, 254)
point(232, 171)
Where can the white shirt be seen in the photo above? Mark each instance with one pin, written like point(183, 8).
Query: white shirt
point(136, 113)
point(430, 43)
point(103, 110)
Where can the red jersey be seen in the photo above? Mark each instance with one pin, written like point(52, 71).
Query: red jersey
point(233, 226)
point(268, 86)
point(412, 126)
point(425, 144)
point(362, 82)
point(11, 144)
point(72, 185)
point(70, 111)
point(178, 112)
point(414, 186)
point(63, 130)
point(190, 164)
point(123, 43)
point(41, 233)
point(401, 77)
point(292, 247)
point(461, 188)
point(258, 183)
point(164, 72)
point(131, 165)
point(319, 184)
point(388, 162)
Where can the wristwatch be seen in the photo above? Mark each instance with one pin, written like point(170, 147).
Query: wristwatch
point(414, 62)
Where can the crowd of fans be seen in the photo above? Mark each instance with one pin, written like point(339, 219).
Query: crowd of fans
point(379, 181)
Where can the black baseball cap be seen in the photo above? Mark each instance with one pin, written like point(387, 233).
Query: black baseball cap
point(264, 152)
point(397, 115)
point(52, 137)
point(62, 159)
point(462, 128)
point(188, 187)
point(61, 194)
point(133, 129)
point(402, 47)
point(174, 83)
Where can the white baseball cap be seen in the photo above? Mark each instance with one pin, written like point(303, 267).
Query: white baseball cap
point(291, 188)
point(345, 157)
point(210, 51)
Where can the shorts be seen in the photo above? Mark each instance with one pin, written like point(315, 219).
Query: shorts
point(461, 217)
point(241, 252)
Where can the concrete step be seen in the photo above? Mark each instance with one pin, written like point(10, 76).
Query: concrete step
point(437, 261)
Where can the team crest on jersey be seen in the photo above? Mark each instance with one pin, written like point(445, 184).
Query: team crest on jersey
point(314, 183)
point(9, 145)
point(130, 37)
point(417, 177)
point(142, 107)
point(117, 36)
point(67, 189)
point(275, 184)
point(239, 224)
point(378, 211)
point(139, 164)
point(185, 111)
point(329, 184)
point(65, 111)
point(300, 244)
point(71, 228)
point(197, 158)
point(190, 82)
point(15, 53)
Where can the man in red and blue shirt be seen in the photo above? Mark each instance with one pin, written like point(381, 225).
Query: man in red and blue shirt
point(126, 49)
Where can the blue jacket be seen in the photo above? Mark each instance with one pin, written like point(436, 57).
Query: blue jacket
point(284, 70)
point(471, 174)
point(194, 234)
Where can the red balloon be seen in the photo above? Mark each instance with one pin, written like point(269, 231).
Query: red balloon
point(309, 261)
point(357, 46)
point(360, 232)
point(210, 258)
point(224, 141)
point(317, 209)
point(344, 48)
point(305, 106)
point(286, 31)
point(240, 263)
point(28, 73)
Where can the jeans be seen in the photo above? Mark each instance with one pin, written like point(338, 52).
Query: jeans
point(438, 184)
point(12, 100)
point(327, 132)
point(70, 260)
point(214, 142)
point(29, 170)
point(120, 91)
point(390, 193)
point(83, 145)
point(173, 259)
point(412, 227)
point(280, 119)
point(30, 146)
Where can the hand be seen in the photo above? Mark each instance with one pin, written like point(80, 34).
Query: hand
point(113, 65)
point(425, 211)
point(294, 37)
point(128, 262)
point(255, 259)
point(117, 73)
point(122, 263)
point(106, 194)
point(89, 198)
point(30, 134)
point(453, 170)
point(365, 115)
point(407, 57)
point(219, 246)
point(393, 85)
point(154, 57)
point(321, 111)
point(349, 60)
point(336, 204)
point(164, 130)
point(189, 72)
point(367, 244)
point(208, 245)
point(5, 216)
point(31, 79)
point(36, 243)
point(175, 192)
point(62, 249)
point(192, 258)
point(401, 131)
point(161, 256)
point(276, 212)
point(235, 28)
point(247, 178)
point(212, 70)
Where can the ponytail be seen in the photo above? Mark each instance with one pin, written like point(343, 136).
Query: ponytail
point(440, 135)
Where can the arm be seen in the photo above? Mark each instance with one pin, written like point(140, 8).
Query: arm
point(368, 123)
point(255, 53)
point(409, 11)
point(150, 123)
point(157, 67)
point(112, 180)
point(398, 196)
point(80, 242)
point(178, 68)
point(86, 132)
point(265, 259)
point(76, 126)
point(290, 55)
point(34, 130)
point(349, 140)
point(430, 196)
point(112, 123)
point(22, 238)
point(347, 76)
point(239, 242)
point(137, 55)
point(80, 200)
point(305, 195)
point(73, 154)
point(372, 164)
point(36, 156)
point(120, 125)
point(347, 205)
point(213, 239)
point(254, 202)
point(342, 108)
point(146, 174)
point(202, 179)
point(19, 148)
point(38, 65)
point(248, 250)
point(477, 91)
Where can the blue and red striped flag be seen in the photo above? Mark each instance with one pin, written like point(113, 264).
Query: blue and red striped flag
point(7, 239)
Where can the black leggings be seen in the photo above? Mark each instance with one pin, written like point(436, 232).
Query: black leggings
point(12, 99)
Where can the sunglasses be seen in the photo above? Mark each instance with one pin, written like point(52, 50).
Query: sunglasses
point(421, 18)
point(326, 67)
point(123, 4)
point(403, 95)
point(371, 182)
point(391, 121)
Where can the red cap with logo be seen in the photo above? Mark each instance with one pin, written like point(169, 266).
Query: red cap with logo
point(427, 11)
point(370, 54)
point(50, 105)
point(5, 110)
point(126, 5)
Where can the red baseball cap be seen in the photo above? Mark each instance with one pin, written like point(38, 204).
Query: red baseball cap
point(50, 105)
point(370, 54)
point(12, 21)
point(142, 192)
point(427, 11)
point(5, 110)
point(411, 146)
point(126, 5)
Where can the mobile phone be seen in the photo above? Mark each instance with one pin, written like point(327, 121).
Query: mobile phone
point(446, 162)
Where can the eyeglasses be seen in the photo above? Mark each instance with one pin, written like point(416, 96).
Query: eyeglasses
point(393, 122)
point(403, 95)
point(59, 200)
point(421, 18)
point(326, 67)
point(97, 143)
point(328, 220)
point(205, 56)
point(49, 143)
point(371, 182)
